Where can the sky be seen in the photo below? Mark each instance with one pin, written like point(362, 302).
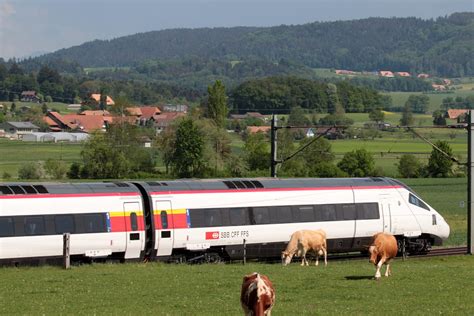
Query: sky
point(29, 27)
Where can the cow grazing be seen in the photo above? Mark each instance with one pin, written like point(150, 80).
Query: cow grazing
point(383, 248)
point(258, 295)
point(303, 241)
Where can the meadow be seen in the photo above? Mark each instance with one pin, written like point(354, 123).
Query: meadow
point(421, 286)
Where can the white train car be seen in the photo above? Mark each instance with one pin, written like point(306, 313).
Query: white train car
point(217, 217)
point(189, 220)
point(105, 220)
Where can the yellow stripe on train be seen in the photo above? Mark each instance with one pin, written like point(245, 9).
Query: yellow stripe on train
point(127, 213)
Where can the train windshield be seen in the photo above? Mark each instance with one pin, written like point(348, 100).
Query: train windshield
point(416, 201)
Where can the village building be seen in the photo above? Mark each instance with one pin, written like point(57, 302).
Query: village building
point(16, 130)
point(386, 73)
point(29, 96)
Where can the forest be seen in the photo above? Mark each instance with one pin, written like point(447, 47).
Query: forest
point(442, 47)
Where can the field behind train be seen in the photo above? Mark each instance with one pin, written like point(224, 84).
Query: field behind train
point(424, 286)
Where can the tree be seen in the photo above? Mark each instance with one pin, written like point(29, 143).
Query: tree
point(334, 105)
point(409, 166)
point(418, 103)
point(407, 116)
point(256, 152)
point(56, 169)
point(439, 165)
point(377, 115)
point(187, 159)
point(118, 153)
point(438, 118)
point(357, 163)
point(298, 117)
point(217, 103)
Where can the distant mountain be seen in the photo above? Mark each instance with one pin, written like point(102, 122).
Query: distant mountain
point(444, 46)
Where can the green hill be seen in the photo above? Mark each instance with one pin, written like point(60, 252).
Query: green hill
point(444, 46)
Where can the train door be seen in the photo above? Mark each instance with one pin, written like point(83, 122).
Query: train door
point(134, 237)
point(386, 213)
point(164, 231)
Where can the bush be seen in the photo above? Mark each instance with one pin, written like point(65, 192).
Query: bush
point(409, 166)
point(30, 170)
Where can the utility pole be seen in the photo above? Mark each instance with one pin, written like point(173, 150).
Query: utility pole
point(273, 147)
point(470, 185)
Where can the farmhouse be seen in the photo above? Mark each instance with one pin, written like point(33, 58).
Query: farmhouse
point(16, 130)
point(386, 73)
point(29, 96)
point(403, 74)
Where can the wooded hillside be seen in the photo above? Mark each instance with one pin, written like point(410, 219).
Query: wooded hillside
point(444, 46)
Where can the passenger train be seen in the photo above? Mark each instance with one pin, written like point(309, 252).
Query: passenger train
point(207, 220)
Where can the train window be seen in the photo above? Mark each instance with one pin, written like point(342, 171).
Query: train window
point(306, 213)
point(367, 211)
point(29, 189)
point(348, 212)
point(5, 190)
point(213, 218)
point(34, 225)
point(238, 216)
point(197, 218)
point(17, 189)
point(6, 227)
point(433, 218)
point(40, 188)
point(416, 201)
point(164, 219)
point(133, 221)
point(261, 216)
point(94, 223)
point(225, 217)
point(328, 212)
point(282, 214)
point(64, 224)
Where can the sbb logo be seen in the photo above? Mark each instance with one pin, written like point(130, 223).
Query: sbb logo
point(212, 235)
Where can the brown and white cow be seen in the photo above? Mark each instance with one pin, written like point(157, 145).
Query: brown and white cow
point(257, 295)
point(383, 248)
point(303, 241)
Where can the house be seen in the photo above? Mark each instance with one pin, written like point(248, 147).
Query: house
point(258, 129)
point(134, 111)
point(386, 73)
point(165, 119)
point(74, 107)
point(16, 130)
point(256, 115)
point(174, 108)
point(29, 96)
point(71, 122)
point(438, 87)
point(403, 74)
point(423, 76)
point(453, 114)
point(94, 99)
point(310, 132)
point(345, 72)
point(96, 112)
point(447, 82)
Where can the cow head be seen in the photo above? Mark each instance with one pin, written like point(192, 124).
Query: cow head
point(373, 254)
point(286, 257)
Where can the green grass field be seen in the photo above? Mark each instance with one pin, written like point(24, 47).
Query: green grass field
point(426, 286)
point(436, 99)
point(13, 154)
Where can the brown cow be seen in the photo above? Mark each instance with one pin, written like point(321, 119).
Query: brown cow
point(382, 249)
point(303, 241)
point(257, 295)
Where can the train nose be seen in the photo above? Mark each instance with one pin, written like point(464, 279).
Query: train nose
point(444, 229)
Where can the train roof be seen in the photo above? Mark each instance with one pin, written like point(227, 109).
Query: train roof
point(66, 188)
point(266, 183)
point(193, 185)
